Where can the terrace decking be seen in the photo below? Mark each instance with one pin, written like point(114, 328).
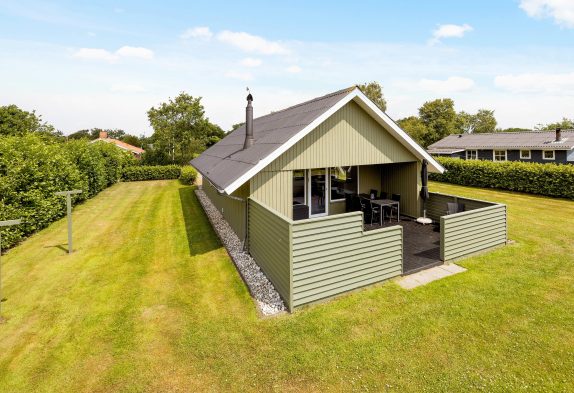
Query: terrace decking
point(421, 244)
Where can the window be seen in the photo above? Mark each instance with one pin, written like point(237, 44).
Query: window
point(472, 154)
point(499, 155)
point(299, 187)
point(548, 154)
point(525, 154)
point(343, 181)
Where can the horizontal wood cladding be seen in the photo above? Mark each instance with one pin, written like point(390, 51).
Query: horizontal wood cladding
point(436, 206)
point(349, 137)
point(333, 255)
point(472, 231)
point(232, 209)
point(270, 246)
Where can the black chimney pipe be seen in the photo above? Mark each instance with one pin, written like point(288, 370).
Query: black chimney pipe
point(558, 134)
point(248, 123)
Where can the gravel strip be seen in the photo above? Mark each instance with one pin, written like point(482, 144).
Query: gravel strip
point(261, 289)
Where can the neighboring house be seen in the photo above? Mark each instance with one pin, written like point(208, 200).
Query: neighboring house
point(528, 146)
point(284, 181)
point(136, 151)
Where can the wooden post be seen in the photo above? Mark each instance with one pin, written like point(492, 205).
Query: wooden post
point(68, 195)
point(4, 224)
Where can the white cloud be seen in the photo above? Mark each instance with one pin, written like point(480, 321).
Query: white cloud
point(453, 84)
point(251, 62)
point(105, 55)
point(562, 11)
point(449, 31)
point(294, 69)
point(95, 54)
point(201, 32)
point(537, 83)
point(135, 51)
point(252, 43)
point(244, 76)
point(127, 88)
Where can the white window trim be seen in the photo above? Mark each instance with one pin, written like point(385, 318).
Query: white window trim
point(526, 158)
point(342, 199)
point(327, 184)
point(549, 159)
point(494, 155)
point(467, 154)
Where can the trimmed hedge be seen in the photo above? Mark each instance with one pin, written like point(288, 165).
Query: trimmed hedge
point(33, 168)
point(188, 175)
point(150, 172)
point(543, 179)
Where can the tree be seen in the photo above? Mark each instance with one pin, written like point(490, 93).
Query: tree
point(565, 124)
point(15, 121)
point(414, 127)
point(236, 126)
point(374, 91)
point(439, 117)
point(181, 129)
point(481, 122)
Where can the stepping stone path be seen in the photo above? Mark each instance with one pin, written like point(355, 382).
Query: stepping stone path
point(424, 277)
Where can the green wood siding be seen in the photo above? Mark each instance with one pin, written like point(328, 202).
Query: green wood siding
point(472, 231)
point(232, 209)
point(332, 255)
point(274, 189)
point(403, 179)
point(270, 246)
point(436, 205)
point(349, 137)
point(369, 178)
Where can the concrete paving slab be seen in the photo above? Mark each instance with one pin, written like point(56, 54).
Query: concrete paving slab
point(424, 277)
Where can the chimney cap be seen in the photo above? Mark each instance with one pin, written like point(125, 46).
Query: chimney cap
point(249, 97)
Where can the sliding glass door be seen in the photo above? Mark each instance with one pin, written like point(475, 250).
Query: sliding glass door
point(317, 191)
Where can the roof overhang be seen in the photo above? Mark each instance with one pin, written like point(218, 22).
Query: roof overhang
point(366, 104)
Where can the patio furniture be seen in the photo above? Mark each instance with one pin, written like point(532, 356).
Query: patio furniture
point(300, 212)
point(373, 193)
point(396, 198)
point(368, 211)
point(356, 203)
point(386, 205)
point(383, 195)
point(454, 207)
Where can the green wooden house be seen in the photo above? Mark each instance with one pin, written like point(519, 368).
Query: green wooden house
point(283, 181)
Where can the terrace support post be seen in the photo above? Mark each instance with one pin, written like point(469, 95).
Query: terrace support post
point(4, 224)
point(68, 195)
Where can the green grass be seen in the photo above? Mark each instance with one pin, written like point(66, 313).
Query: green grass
point(151, 302)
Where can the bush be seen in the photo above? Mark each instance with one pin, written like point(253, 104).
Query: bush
point(543, 179)
point(188, 175)
point(138, 173)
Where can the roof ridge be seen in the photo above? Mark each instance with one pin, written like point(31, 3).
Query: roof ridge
point(346, 90)
point(513, 132)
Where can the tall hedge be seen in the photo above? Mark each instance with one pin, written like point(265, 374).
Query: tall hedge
point(544, 179)
point(151, 172)
point(33, 168)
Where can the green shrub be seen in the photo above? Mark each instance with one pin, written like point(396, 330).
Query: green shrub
point(543, 179)
point(115, 161)
point(90, 161)
point(188, 175)
point(32, 169)
point(149, 172)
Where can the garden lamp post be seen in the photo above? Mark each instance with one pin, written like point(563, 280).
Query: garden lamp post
point(4, 224)
point(68, 195)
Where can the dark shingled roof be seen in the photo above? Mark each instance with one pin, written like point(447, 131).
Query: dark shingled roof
point(226, 161)
point(544, 140)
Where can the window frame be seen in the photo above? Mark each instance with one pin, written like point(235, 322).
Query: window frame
point(526, 158)
point(499, 150)
point(549, 159)
point(342, 199)
point(469, 151)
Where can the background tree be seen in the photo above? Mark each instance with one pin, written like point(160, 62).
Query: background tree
point(16, 121)
point(181, 129)
point(374, 91)
point(439, 117)
point(565, 124)
point(414, 127)
point(481, 122)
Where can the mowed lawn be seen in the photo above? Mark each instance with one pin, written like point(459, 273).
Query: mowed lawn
point(150, 302)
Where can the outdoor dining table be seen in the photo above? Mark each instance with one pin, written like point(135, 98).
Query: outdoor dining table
point(387, 202)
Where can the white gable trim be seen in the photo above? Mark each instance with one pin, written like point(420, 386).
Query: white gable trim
point(370, 108)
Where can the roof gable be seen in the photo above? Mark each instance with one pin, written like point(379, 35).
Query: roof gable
point(228, 166)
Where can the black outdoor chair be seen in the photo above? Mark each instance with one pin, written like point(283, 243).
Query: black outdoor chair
point(396, 198)
point(373, 193)
point(356, 203)
point(368, 212)
point(348, 202)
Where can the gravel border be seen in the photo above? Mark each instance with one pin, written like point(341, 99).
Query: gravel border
point(266, 297)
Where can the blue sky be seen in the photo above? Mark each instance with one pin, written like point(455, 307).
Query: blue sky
point(83, 65)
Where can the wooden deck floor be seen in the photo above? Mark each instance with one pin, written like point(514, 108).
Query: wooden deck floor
point(421, 244)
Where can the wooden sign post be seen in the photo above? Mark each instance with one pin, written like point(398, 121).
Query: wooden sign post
point(68, 195)
point(4, 224)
